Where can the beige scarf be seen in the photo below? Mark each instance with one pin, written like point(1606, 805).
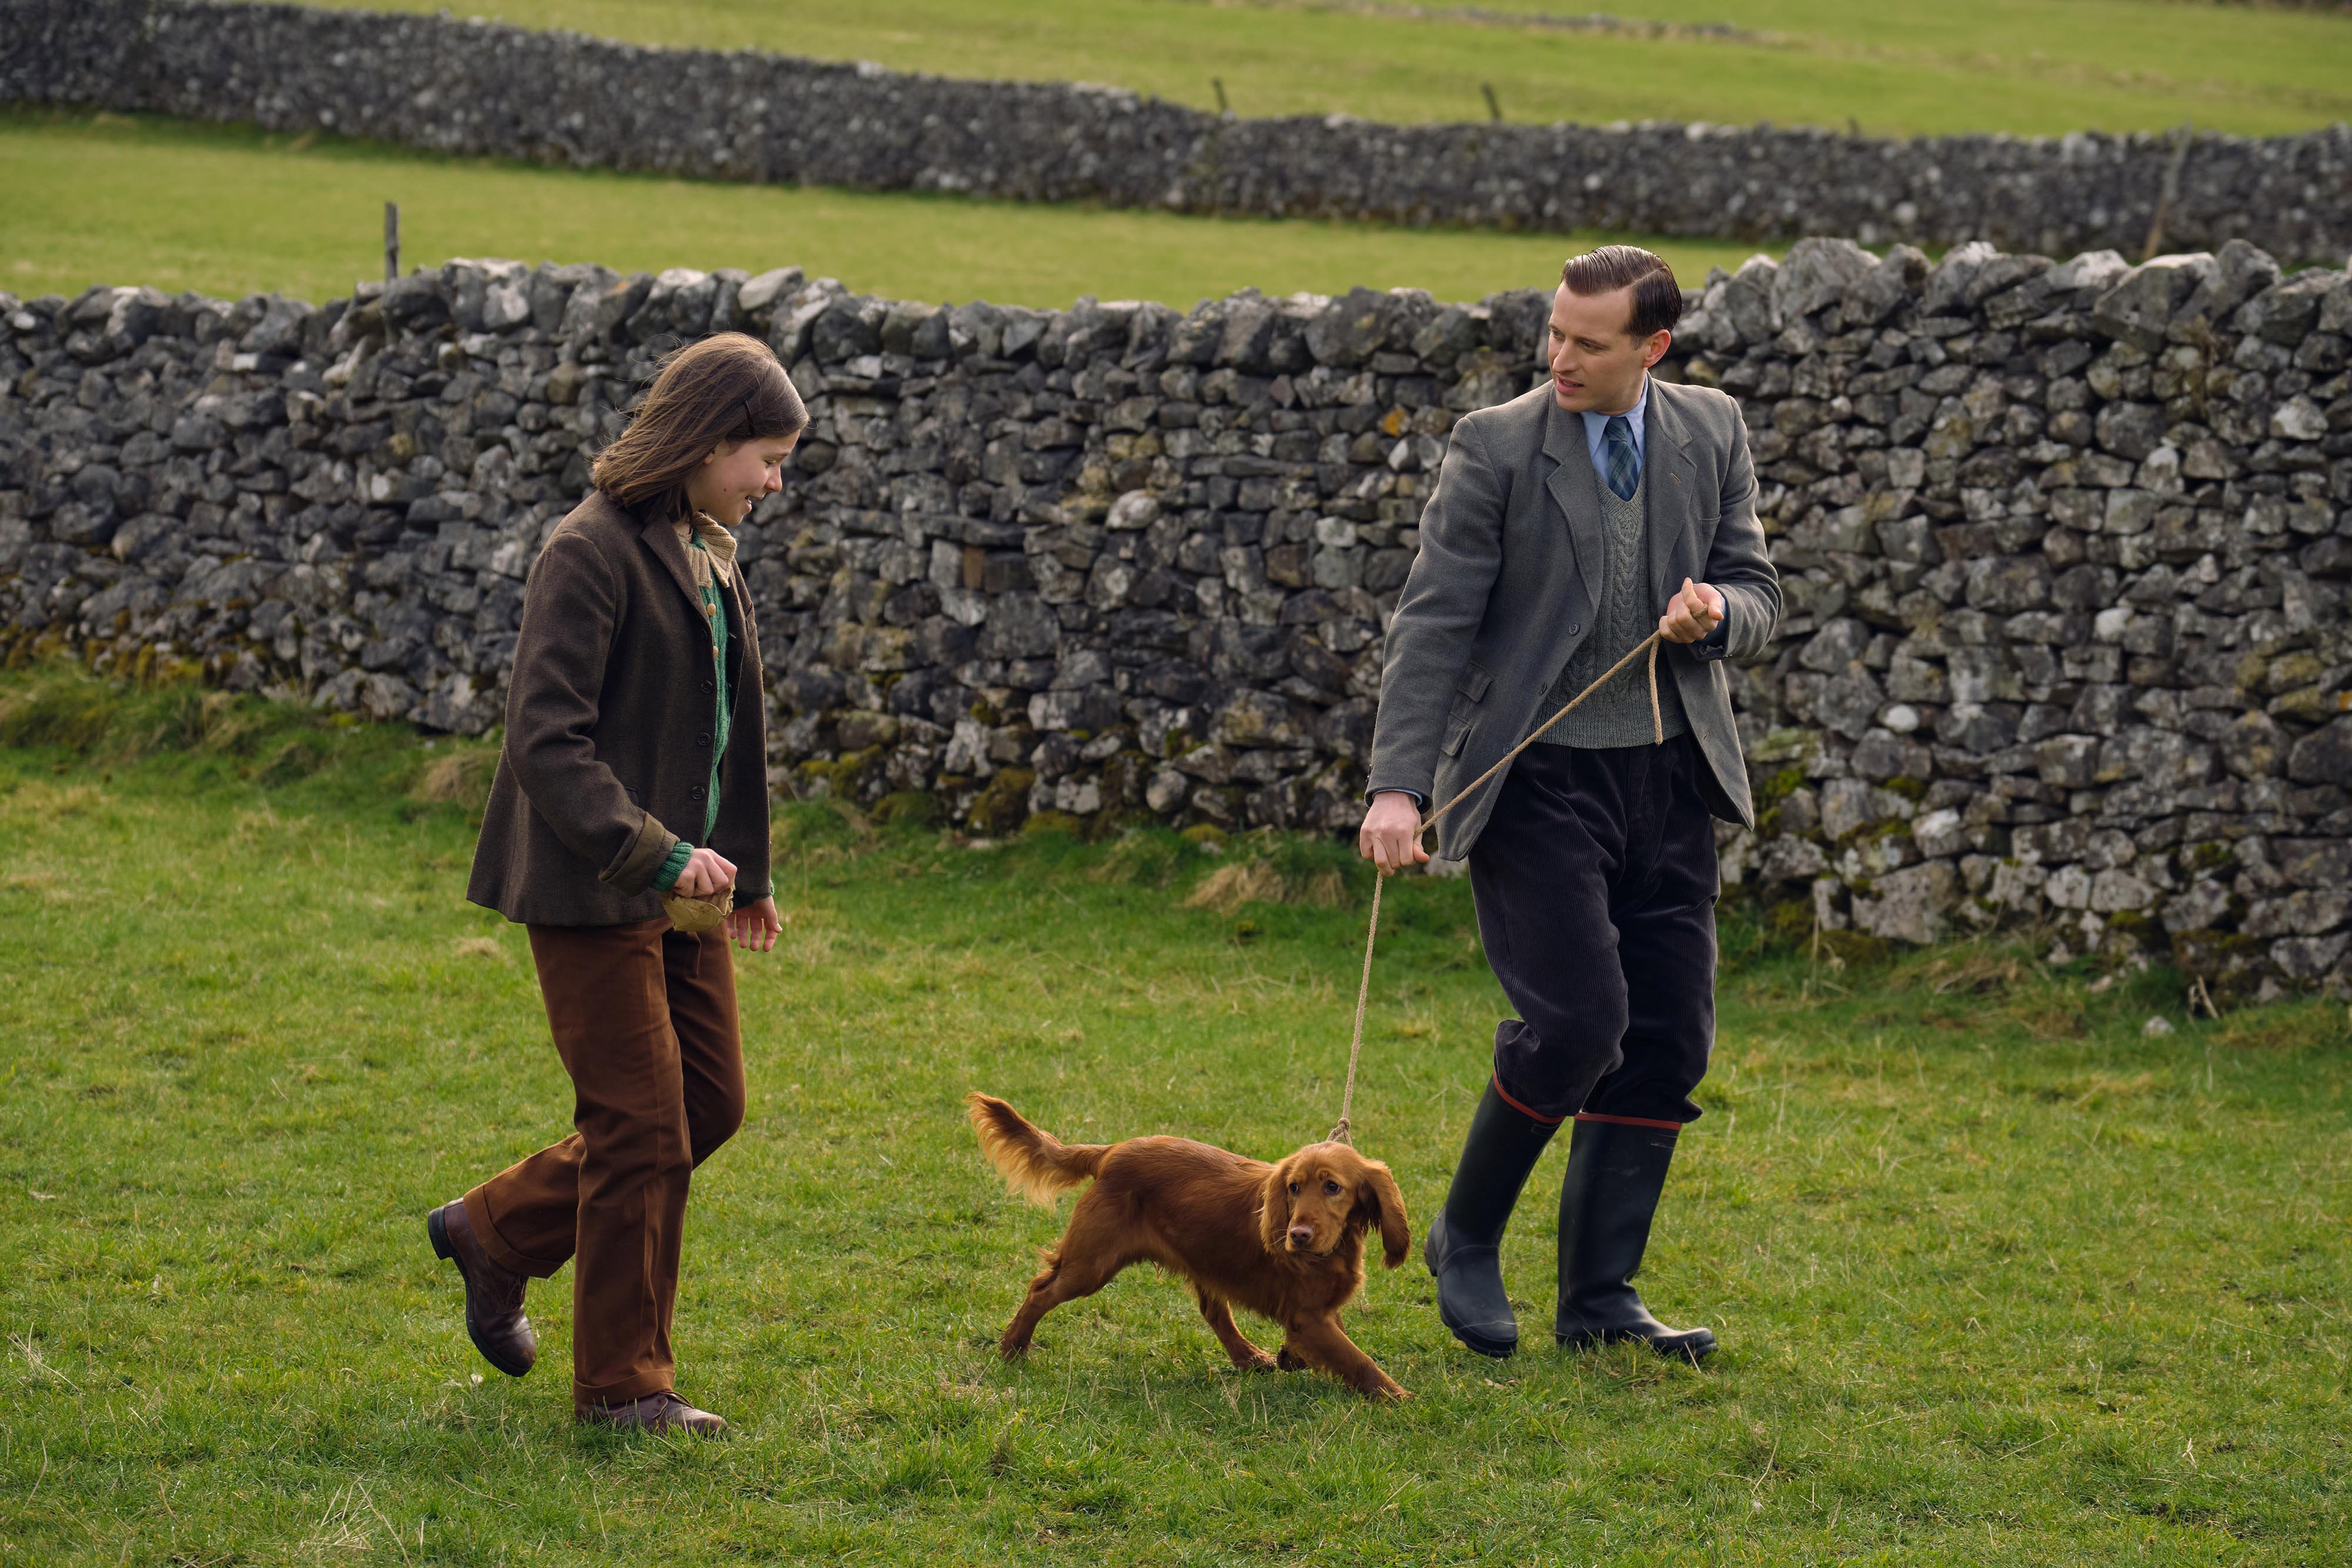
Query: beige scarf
point(717, 556)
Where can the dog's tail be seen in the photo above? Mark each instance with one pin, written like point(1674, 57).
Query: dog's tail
point(1032, 1162)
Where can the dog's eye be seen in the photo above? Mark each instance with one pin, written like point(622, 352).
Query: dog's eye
point(1331, 1189)
point(1294, 1189)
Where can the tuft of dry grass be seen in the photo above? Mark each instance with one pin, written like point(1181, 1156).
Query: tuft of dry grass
point(1973, 969)
point(2289, 1026)
point(479, 947)
point(1227, 888)
point(458, 778)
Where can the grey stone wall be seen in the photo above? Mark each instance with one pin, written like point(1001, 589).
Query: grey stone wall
point(466, 87)
point(2065, 545)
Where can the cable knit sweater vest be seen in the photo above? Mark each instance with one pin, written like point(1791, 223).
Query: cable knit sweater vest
point(1619, 712)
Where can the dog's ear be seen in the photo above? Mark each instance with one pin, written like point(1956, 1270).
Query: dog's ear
point(1381, 1195)
point(1274, 1207)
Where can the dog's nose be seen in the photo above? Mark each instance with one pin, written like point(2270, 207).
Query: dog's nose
point(1300, 1235)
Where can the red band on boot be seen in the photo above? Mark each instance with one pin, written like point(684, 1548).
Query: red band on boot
point(1626, 1121)
point(1522, 1110)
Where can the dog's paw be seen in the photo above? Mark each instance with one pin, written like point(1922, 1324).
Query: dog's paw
point(1289, 1361)
point(1257, 1361)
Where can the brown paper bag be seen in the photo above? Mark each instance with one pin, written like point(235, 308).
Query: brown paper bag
point(696, 915)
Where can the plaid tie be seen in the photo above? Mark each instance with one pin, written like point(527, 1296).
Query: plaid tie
point(1624, 462)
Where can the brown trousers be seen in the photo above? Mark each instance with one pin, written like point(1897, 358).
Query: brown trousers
point(644, 1017)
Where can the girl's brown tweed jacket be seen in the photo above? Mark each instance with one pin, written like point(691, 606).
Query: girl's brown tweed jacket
point(609, 730)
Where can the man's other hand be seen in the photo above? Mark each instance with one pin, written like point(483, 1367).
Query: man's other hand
point(1691, 614)
point(1391, 836)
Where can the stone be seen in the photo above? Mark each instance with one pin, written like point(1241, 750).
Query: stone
point(2299, 418)
point(1815, 274)
point(2321, 863)
point(2133, 430)
point(1792, 859)
point(2322, 757)
point(2139, 308)
point(279, 329)
point(759, 293)
point(2199, 908)
point(1881, 756)
point(2305, 912)
point(1166, 792)
point(506, 305)
point(2310, 958)
point(2115, 890)
point(1349, 329)
point(2285, 312)
point(1940, 834)
point(1134, 510)
point(2240, 271)
point(2257, 746)
point(1835, 645)
point(1914, 904)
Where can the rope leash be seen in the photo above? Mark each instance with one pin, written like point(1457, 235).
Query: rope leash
point(1341, 1134)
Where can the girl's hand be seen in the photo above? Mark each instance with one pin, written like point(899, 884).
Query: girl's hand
point(707, 871)
point(756, 926)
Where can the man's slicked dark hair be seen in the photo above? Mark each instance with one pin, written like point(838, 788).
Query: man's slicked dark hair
point(1657, 297)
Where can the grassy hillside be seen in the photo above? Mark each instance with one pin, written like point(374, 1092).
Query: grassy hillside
point(2000, 1278)
point(1894, 67)
point(230, 211)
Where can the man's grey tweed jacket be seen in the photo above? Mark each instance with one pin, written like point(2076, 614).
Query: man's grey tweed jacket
point(1502, 593)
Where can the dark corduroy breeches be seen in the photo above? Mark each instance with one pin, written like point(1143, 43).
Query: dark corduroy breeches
point(644, 1017)
point(1595, 883)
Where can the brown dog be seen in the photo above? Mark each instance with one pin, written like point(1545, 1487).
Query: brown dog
point(1285, 1241)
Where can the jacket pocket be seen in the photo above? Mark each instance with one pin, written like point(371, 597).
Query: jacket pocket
point(1458, 724)
point(1475, 681)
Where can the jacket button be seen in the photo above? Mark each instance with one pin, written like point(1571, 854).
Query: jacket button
point(1573, 628)
point(710, 686)
point(703, 739)
point(698, 792)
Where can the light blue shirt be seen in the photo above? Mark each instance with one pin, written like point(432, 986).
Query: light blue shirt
point(1596, 426)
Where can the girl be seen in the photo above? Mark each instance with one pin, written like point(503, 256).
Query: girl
point(635, 766)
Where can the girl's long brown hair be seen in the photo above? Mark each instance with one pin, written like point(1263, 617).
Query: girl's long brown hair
point(727, 387)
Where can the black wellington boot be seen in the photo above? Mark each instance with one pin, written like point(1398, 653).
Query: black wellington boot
point(1615, 1173)
point(1463, 1248)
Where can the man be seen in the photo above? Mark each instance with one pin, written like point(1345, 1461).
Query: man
point(1561, 524)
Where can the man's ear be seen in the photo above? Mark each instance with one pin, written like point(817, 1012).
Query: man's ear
point(1273, 1208)
point(1381, 1196)
point(1655, 349)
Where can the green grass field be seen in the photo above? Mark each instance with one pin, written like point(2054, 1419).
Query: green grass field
point(231, 211)
point(1894, 67)
point(2001, 1279)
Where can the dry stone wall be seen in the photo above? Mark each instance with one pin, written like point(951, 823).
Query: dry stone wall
point(466, 86)
point(2066, 547)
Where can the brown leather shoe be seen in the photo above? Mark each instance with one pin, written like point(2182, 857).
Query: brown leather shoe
point(494, 1319)
point(663, 1412)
